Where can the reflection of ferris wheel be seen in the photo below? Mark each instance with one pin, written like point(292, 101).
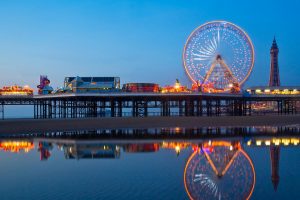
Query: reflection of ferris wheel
point(221, 170)
point(218, 55)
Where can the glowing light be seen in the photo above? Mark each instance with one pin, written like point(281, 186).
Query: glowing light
point(268, 142)
point(286, 142)
point(177, 129)
point(249, 143)
point(16, 90)
point(16, 146)
point(258, 90)
point(209, 142)
point(258, 142)
point(295, 141)
point(177, 149)
point(177, 88)
point(276, 142)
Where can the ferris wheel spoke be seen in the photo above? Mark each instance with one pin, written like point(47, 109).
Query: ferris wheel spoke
point(207, 50)
point(219, 36)
point(199, 55)
point(215, 42)
point(210, 47)
point(213, 45)
point(200, 58)
point(204, 52)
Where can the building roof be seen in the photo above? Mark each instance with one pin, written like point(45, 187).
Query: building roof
point(77, 79)
point(91, 79)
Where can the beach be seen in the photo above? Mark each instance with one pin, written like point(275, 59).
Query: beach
point(14, 126)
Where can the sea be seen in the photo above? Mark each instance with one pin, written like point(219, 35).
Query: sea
point(173, 163)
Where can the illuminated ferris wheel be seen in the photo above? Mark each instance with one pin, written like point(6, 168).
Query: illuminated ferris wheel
point(218, 55)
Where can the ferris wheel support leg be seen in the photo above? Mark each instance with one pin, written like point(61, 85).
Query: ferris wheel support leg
point(207, 75)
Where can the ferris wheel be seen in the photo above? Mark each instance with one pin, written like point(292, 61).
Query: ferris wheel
point(218, 55)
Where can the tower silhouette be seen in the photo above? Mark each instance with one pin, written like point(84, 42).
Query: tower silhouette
point(274, 81)
point(274, 69)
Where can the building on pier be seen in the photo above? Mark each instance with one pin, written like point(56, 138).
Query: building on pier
point(91, 84)
point(44, 86)
point(141, 87)
point(176, 88)
point(275, 90)
point(16, 90)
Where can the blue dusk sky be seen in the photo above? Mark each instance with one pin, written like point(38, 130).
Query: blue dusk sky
point(139, 41)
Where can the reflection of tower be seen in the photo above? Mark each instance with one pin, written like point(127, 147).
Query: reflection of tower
point(274, 73)
point(275, 156)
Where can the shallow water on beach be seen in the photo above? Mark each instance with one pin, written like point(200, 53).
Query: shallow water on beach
point(84, 165)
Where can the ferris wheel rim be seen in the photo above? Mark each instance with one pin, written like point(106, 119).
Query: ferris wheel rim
point(236, 27)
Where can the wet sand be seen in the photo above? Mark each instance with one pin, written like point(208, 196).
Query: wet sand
point(47, 125)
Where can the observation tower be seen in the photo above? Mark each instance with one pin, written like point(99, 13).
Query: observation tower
point(274, 68)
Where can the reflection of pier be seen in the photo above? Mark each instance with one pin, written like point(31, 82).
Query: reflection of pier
point(164, 133)
point(142, 147)
point(214, 165)
point(44, 149)
point(16, 146)
point(84, 151)
point(222, 157)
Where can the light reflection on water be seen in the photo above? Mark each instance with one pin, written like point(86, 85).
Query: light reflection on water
point(85, 166)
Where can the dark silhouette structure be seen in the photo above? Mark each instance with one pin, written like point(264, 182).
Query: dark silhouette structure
point(274, 69)
point(274, 81)
point(275, 156)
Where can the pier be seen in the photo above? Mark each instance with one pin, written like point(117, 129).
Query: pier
point(81, 105)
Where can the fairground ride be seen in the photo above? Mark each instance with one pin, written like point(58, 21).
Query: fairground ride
point(218, 57)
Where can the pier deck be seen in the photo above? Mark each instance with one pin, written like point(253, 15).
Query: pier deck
point(79, 105)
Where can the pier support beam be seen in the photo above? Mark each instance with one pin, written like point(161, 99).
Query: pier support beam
point(2, 110)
